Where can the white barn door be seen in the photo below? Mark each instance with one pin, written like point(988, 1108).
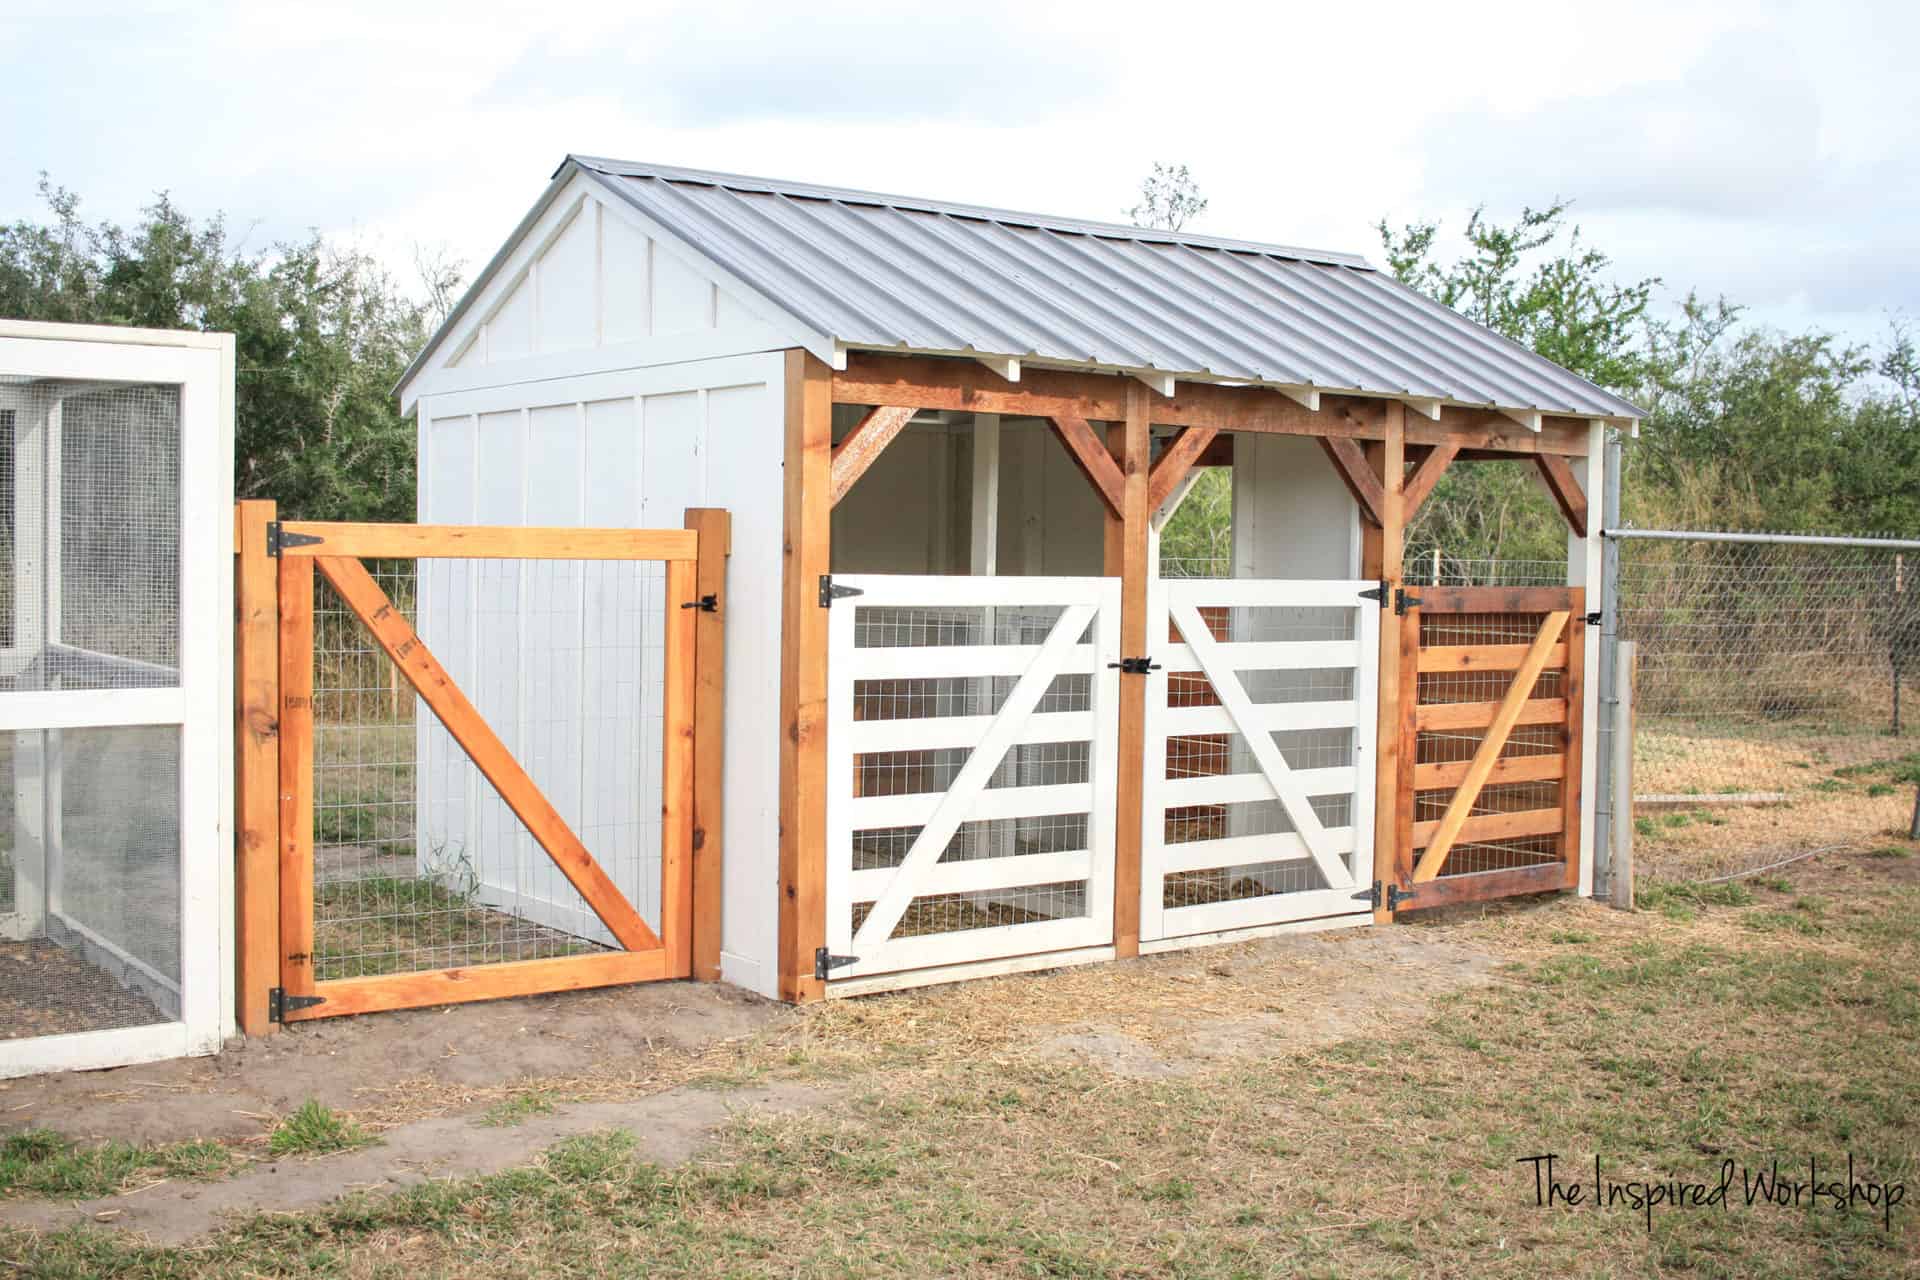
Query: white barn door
point(1258, 797)
point(972, 731)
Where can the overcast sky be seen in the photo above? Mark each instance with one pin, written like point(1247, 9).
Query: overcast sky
point(1768, 151)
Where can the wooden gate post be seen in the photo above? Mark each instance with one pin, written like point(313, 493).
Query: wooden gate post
point(1127, 543)
point(256, 668)
point(715, 527)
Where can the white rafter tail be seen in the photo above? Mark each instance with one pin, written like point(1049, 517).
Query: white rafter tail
point(1424, 407)
point(1307, 398)
point(1528, 418)
point(1161, 384)
point(1633, 426)
point(1006, 366)
point(839, 361)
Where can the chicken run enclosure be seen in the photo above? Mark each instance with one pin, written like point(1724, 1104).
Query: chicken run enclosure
point(115, 857)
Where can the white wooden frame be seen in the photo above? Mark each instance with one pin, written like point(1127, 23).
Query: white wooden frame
point(202, 366)
point(1177, 602)
point(1094, 601)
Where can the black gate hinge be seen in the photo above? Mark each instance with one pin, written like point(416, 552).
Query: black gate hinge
point(705, 604)
point(1403, 602)
point(825, 962)
point(1377, 594)
point(278, 539)
point(1594, 619)
point(280, 1004)
point(1393, 894)
point(1135, 666)
point(829, 592)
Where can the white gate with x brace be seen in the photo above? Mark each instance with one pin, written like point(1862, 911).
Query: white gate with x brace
point(1258, 797)
point(971, 734)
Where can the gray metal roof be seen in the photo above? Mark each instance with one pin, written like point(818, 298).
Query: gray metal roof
point(890, 273)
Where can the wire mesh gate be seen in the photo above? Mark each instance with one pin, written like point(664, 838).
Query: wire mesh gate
point(534, 833)
point(1491, 683)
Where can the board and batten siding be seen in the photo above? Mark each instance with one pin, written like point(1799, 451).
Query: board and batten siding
point(625, 448)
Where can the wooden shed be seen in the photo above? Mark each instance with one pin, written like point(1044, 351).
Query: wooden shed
point(969, 728)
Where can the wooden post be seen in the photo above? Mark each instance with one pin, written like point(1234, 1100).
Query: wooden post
point(256, 668)
point(803, 675)
point(1382, 550)
point(677, 781)
point(715, 527)
point(295, 961)
point(1127, 537)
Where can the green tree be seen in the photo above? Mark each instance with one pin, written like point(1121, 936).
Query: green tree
point(322, 333)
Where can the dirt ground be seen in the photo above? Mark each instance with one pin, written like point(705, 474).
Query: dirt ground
point(46, 990)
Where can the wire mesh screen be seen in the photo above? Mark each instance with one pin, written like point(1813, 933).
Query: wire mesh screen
point(933, 770)
point(1774, 702)
point(418, 862)
point(1432, 567)
point(93, 941)
point(92, 523)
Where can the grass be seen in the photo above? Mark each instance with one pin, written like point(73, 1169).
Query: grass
point(315, 1129)
point(39, 1162)
point(1663, 1044)
point(517, 1110)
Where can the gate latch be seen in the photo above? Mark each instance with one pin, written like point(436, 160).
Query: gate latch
point(825, 962)
point(705, 604)
point(1403, 602)
point(280, 1004)
point(278, 539)
point(1135, 666)
point(829, 592)
point(1393, 894)
point(1594, 619)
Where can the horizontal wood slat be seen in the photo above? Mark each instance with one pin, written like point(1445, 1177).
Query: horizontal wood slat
point(868, 812)
point(1493, 600)
point(1241, 788)
point(1266, 655)
point(1441, 716)
point(1486, 657)
point(1495, 826)
point(482, 982)
point(1247, 851)
point(1540, 768)
point(488, 542)
point(909, 662)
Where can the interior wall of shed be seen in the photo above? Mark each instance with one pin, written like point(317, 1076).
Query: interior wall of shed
point(1292, 518)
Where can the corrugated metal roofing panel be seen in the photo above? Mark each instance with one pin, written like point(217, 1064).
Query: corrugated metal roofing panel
point(894, 273)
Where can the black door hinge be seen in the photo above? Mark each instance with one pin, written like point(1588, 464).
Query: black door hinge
point(1135, 666)
point(1393, 894)
point(280, 1004)
point(1403, 602)
point(1377, 594)
point(825, 962)
point(705, 604)
point(278, 539)
point(1594, 618)
point(829, 592)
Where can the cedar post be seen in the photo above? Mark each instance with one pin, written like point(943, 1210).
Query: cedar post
point(715, 527)
point(295, 960)
point(1126, 555)
point(803, 675)
point(1381, 551)
point(256, 668)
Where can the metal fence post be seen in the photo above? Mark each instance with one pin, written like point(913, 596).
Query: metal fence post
point(1604, 817)
point(1620, 879)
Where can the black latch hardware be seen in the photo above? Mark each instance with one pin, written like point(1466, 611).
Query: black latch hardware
point(829, 592)
point(1378, 594)
point(1594, 619)
point(825, 962)
point(280, 1004)
point(278, 539)
point(1403, 602)
point(1135, 666)
point(1393, 893)
point(705, 604)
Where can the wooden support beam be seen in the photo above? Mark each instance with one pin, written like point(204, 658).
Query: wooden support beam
point(1181, 455)
point(714, 526)
point(1566, 491)
point(1101, 471)
point(865, 443)
point(1382, 551)
point(803, 673)
point(295, 612)
point(483, 982)
point(1367, 488)
point(256, 670)
point(480, 542)
point(1128, 540)
point(1425, 476)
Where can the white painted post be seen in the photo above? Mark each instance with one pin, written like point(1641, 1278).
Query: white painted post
point(984, 528)
point(1626, 652)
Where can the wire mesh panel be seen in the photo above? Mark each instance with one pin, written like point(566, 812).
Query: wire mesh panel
point(971, 769)
point(1259, 769)
point(1774, 703)
point(418, 861)
point(1492, 775)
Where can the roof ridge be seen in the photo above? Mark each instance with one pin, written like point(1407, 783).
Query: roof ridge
point(609, 167)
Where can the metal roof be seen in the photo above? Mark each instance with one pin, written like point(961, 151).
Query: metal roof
point(896, 274)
